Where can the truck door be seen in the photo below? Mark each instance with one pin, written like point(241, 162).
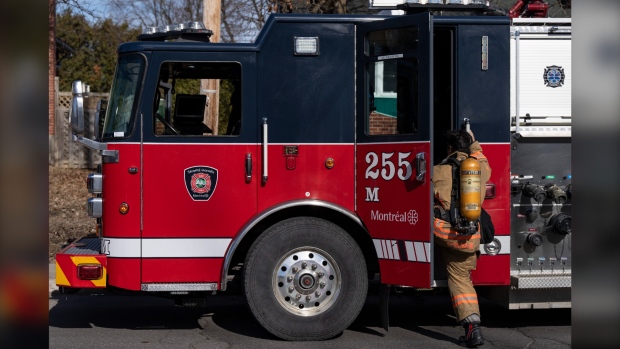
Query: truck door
point(393, 152)
point(199, 166)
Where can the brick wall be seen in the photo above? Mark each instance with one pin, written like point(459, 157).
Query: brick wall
point(52, 66)
point(380, 124)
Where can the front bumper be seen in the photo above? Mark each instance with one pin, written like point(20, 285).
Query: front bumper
point(74, 265)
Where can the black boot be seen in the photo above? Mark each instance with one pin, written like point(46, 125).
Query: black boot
point(473, 336)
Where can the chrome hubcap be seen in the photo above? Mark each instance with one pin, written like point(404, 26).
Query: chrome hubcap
point(306, 281)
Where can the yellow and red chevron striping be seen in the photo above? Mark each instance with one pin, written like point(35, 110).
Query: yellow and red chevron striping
point(67, 269)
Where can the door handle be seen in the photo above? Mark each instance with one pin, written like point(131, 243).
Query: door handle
point(248, 167)
point(420, 167)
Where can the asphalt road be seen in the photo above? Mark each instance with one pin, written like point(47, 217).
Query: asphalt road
point(99, 319)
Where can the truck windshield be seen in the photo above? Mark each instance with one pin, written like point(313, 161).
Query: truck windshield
point(122, 107)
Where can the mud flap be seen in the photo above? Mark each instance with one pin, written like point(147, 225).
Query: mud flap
point(384, 297)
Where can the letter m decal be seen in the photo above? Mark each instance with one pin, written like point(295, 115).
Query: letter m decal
point(372, 194)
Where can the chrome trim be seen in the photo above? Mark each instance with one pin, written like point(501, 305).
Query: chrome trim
point(248, 226)
point(179, 287)
point(420, 159)
point(545, 131)
point(94, 207)
point(517, 36)
point(248, 167)
point(141, 167)
point(94, 183)
point(77, 108)
point(504, 246)
point(355, 117)
point(77, 87)
point(485, 53)
point(265, 150)
point(542, 280)
point(539, 305)
point(90, 143)
point(108, 156)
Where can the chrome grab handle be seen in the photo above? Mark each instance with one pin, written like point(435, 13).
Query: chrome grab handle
point(420, 170)
point(265, 143)
point(248, 167)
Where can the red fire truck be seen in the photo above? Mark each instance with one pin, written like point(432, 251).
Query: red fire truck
point(312, 176)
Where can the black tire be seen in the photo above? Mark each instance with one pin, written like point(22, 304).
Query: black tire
point(305, 279)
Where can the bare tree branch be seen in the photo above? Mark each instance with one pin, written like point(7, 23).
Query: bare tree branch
point(154, 13)
point(83, 7)
point(241, 20)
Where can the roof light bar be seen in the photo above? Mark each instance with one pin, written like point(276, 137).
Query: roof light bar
point(195, 31)
point(174, 27)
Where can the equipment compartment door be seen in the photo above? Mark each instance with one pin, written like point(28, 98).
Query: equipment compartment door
point(393, 153)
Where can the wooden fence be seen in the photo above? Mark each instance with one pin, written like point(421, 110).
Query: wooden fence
point(64, 152)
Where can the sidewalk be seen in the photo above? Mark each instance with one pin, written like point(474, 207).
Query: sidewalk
point(52, 272)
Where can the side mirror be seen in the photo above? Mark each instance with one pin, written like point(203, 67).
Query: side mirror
point(77, 122)
point(77, 108)
point(102, 106)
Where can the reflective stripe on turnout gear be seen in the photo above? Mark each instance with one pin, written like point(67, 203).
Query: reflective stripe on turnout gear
point(470, 298)
point(462, 292)
point(478, 156)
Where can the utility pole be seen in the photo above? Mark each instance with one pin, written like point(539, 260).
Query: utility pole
point(212, 18)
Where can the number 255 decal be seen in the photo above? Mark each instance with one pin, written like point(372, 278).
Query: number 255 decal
point(388, 169)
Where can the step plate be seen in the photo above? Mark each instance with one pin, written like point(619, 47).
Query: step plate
point(540, 281)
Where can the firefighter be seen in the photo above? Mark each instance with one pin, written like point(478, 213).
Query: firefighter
point(460, 251)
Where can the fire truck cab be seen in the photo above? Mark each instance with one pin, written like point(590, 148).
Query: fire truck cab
point(307, 172)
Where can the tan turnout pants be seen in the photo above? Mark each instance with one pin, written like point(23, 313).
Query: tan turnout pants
point(464, 298)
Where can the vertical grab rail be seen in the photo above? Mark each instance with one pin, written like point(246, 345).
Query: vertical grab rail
point(517, 87)
point(265, 143)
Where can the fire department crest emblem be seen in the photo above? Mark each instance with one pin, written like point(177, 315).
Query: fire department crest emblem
point(554, 76)
point(200, 182)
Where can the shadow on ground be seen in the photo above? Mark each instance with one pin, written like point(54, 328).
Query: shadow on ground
point(415, 312)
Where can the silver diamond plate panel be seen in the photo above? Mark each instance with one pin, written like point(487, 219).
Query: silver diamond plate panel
point(547, 281)
point(542, 29)
point(85, 246)
point(178, 287)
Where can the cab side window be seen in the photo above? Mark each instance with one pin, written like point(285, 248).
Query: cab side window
point(392, 93)
point(392, 81)
point(198, 99)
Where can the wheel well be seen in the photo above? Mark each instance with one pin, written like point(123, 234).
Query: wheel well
point(359, 234)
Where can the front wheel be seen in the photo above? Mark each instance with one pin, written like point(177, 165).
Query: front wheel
point(305, 279)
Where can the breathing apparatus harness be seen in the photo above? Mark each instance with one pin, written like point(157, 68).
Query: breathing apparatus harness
point(465, 205)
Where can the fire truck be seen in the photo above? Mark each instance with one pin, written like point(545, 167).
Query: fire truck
point(312, 177)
